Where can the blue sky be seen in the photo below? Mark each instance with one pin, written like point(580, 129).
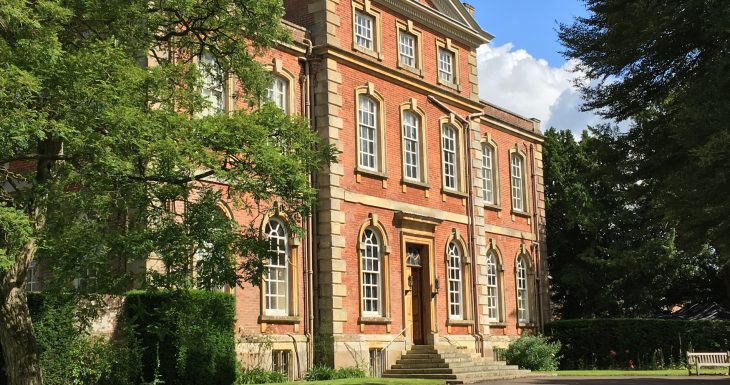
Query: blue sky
point(522, 70)
point(528, 24)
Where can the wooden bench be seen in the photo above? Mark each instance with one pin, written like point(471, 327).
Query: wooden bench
point(699, 360)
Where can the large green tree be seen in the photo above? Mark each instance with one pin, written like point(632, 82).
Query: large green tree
point(100, 105)
point(612, 252)
point(664, 64)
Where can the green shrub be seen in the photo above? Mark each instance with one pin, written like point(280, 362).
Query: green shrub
point(188, 337)
point(325, 373)
point(533, 353)
point(69, 355)
point(258, 376)
point(349, 373)
point(645, 343)
point(319, 373)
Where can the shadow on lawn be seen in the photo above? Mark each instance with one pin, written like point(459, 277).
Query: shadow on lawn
point(693, 380)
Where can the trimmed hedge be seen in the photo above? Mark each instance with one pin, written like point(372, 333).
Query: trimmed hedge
point(187, 337)
point(643, 343)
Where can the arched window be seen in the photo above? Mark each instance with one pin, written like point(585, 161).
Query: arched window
point(371, 274)
point(492, 287)
point(278, 92)
point(523, 293)
point(455, 276)
point(411, 146)
point(368, 132)
point(449, 147)
point(489, 178)
point(276, 295)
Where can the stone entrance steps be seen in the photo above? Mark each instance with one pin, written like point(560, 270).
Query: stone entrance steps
point(451, 364)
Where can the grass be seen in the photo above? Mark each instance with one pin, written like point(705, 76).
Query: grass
point(370, 381)
point(648, 373)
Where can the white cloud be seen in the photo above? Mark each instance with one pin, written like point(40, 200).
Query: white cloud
point(516, 80)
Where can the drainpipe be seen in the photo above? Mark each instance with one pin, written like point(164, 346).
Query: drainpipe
point(538, 257)
point(306, 87)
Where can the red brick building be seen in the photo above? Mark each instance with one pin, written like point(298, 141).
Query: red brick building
point(429, 230)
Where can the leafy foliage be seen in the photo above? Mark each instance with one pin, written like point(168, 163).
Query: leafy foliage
point(533, 353)
point(667, 73)
point(648, 343)
point(187, 337)
point(257, 376)
point(612, 252)
point(324, 373)
point(107, 155)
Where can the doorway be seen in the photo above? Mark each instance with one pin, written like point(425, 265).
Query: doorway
point(418, 284)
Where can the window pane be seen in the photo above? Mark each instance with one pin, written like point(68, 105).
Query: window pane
point(455, 281)
point(368, 132)
point(446, 66)
point(364, 30)
point(277, 269)
point(449, 157)
point(278, 93)
point(492, 289)
point(488, 173)
point(407, 49)
point(517, 183)
point(213, 90)
point(523, 309)
point(411, 146)
point(371, 273)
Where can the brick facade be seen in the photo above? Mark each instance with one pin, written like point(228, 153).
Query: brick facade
point(331, 324)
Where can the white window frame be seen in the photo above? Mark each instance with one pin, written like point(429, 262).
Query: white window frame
point(368, 135)
point(492, 284)
point(489, 177)
point(407, 49)
point(523, 290)
point(364, 33)
point(276, 230)
point(446, 68)
point(213, 88)
point(32, 283)
point(455, 278)
point(450, 157)
point(278, 92)
point(371, 262)
point(411, 146)
point(518, 189)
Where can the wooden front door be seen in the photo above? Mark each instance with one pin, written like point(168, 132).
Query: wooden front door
point(419, 295)
point(417, 306)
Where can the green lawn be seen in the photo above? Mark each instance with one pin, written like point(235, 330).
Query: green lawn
point(370, 381)
point(609, 373)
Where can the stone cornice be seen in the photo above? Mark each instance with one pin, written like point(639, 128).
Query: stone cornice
point(398, 77)
point(438, 21)
point(504, 126)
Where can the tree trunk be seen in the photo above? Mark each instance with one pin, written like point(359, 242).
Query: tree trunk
point(17, 336)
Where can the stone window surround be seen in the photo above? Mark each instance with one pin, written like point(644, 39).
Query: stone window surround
point(460, 191)
point(525, 212)
point(366, 8)
point(408, 27)
point(530, 277)
point(276, 67)
point(373, 223)
point(501, 306)
point(447, 44)
point(381, 169)
point(466, 279)
point(293, 244)
point(412, 107)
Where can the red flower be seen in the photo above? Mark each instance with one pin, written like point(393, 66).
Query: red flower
point(613, 354)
